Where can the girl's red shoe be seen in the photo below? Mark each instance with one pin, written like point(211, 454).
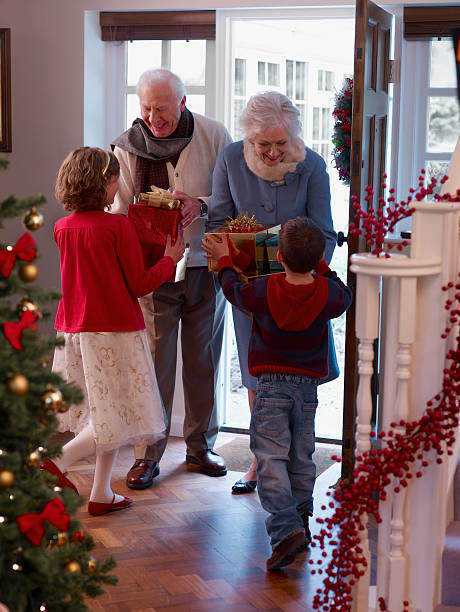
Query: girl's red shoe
point(52, 468)
point(98, 508)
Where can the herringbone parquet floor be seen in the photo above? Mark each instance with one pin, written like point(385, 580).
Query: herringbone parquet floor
point(188, 545)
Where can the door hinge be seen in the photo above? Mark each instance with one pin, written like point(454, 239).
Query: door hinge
point(392, 71)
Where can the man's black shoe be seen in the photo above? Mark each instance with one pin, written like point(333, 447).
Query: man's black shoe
point(208, 461)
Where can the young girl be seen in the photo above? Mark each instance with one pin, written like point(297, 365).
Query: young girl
point(106, 350)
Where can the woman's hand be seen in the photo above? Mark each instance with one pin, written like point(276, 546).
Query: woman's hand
point(191, 208)
point(176, 250)
point(216, 246)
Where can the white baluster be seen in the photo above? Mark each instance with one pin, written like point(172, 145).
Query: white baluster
point(367, 320)
point(397, 555)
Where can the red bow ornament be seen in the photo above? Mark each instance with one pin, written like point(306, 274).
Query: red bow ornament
point(13, 329)
point(77, 537)
point(24, 249)
point(32, 525)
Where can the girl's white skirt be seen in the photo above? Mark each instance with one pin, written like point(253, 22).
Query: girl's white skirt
point(116, 374)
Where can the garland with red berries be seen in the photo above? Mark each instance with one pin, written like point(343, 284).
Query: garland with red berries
point(341, 135)
point(375, 470)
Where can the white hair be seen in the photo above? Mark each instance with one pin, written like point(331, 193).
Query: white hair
point(268, 109)
point(153, 76)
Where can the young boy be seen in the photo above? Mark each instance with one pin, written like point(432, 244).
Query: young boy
point(288, 352)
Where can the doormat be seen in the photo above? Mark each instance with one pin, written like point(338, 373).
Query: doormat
point(238, 456)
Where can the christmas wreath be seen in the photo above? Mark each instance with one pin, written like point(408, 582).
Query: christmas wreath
point(341, 136)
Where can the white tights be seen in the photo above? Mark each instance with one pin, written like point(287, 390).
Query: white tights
point(82, 446)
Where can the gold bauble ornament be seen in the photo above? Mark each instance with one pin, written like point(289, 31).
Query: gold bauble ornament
point(73, 567)
point(28, 272)
point(6, 479)
point(34, 459)
point(18, 384)
point(92, 565)
point(33, 220)
point(61, 539)
point(25, 305)
point(51, 399)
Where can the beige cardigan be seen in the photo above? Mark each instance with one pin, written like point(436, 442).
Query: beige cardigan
point(192, 175)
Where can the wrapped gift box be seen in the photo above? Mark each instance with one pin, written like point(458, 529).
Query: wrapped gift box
point(252, 257)
point(153, 225)
point(271, 246)
point(155, 215)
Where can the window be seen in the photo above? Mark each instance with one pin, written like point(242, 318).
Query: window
point(187, 58)
point(429, 114)
point(240, 77)
point(273, 74)
point(321, 126)
point(325, 80)
point(261, 73)
point(239, 97)
point(442, 120)
point(296, 89)
point(300, 80)
point(268, 73)
point(290, 79)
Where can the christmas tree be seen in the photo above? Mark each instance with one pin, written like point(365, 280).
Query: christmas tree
point(45, 562)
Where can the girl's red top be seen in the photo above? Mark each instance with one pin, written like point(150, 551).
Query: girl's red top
point(102, 273)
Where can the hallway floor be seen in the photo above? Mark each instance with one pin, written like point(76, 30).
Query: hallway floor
point(189, 545)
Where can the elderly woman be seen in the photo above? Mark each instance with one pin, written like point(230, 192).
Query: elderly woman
point(273, 175)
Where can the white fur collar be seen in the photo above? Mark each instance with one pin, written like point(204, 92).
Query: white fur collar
point(274, 174)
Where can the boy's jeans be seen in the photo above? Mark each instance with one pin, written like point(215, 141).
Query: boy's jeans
point(283, 440)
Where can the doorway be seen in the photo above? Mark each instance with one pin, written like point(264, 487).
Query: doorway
point(306, 56)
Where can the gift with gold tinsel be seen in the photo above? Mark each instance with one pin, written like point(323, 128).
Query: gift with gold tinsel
point(247, 237)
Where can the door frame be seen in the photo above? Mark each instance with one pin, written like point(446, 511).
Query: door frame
point(225, 85)
point(359, 177)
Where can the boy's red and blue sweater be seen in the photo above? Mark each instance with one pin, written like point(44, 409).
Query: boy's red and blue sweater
point(289, 322)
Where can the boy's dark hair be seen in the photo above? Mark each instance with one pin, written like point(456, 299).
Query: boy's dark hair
point(302, 244)
point(83, 177)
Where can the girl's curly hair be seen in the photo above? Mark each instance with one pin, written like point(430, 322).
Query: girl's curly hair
point(83, 176)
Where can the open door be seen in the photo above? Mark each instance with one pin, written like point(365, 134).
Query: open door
point(368, 156)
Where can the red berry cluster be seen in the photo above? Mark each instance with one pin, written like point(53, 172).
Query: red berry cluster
point(376, 224)
point(383, 606)
point(403, 457)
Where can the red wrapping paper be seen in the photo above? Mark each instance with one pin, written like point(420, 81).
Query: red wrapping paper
point(153, 225)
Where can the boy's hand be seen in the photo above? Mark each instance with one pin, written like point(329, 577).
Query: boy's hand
point(176, 250)
point(217, 246)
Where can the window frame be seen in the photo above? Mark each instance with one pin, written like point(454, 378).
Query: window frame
point(413, 154)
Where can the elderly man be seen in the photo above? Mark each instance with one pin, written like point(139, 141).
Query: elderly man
point(170, 147)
